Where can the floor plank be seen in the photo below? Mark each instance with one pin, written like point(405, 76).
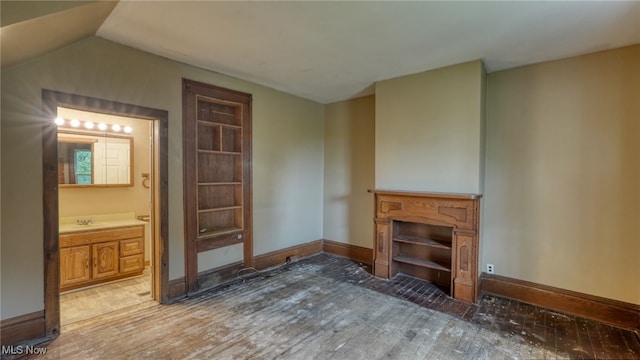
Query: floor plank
point(325, 307)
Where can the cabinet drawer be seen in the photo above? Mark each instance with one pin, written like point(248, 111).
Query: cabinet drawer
point(131, 263)
point(96, 236)
point(131, 247)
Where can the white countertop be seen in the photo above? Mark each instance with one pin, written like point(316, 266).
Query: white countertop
point(100, 221)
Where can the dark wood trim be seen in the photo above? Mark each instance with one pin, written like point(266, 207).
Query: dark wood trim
point(206, 279)
point(597, 308)
point(161, 204)
point(351, 252)
point(23, 328)
point(217, 242)
point(213, 277)
point(191, 90)
point(50, 101)
point(177, 289)
point(50, 214)
point(438, 195)
point(279, 257)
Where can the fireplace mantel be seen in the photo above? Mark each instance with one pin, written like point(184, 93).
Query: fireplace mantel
point(433, 236)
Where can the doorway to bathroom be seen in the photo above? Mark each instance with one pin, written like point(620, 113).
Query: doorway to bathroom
point(105, 212)
point(105, 195)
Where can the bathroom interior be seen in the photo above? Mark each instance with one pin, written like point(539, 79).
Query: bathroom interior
point(105, 177)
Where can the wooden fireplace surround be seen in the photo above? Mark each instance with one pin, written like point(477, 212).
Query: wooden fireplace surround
point(432, 236)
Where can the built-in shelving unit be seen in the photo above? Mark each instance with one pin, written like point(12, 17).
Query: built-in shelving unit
point(418, 248)
point(219, 175)
point(217, 159)
point(432, 236)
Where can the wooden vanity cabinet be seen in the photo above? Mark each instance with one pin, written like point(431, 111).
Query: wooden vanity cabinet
point(94, 256)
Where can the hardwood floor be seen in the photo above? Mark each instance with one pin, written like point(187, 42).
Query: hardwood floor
point(326, 307)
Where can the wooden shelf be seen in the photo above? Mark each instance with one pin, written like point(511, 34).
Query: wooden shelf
point(420, 262)
point(216, 232)
point(421, 241)
point(204, 151)
point(212, 123)
point(219, 183)
point(219, 209)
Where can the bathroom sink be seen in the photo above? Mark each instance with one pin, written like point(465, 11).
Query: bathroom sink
point(97, 222)
point(78, 227)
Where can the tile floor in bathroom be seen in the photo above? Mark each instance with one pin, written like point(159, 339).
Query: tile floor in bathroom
point(83, 304)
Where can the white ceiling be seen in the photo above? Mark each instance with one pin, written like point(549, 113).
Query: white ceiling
point(330, 51)
point(325, 51)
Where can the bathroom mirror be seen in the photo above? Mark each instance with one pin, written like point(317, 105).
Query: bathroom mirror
point(94, 159)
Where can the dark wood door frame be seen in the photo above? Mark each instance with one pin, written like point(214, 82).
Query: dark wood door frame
point(50, 102)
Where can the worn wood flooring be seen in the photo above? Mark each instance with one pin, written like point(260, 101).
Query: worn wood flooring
point(325, 307)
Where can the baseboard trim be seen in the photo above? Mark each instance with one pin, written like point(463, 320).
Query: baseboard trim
point(214, 277)
point(23, 328)
point(351, 252)
point(206, 280)
point(279, 257)
point(177, 289)
point(613, 312)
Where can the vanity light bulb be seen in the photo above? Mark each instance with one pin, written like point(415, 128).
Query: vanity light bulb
point(128, 129)
point(75, 122)
point(89, 125)
point(115, 127)
point(59, 121)
point(102, 126)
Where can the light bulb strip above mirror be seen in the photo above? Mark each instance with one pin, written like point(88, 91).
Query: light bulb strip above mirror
point(90, 125)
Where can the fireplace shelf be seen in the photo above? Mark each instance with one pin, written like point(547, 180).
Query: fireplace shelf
point(421, 262)
point(421, 241)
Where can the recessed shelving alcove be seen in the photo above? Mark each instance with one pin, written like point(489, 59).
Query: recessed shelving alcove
point(432, 236)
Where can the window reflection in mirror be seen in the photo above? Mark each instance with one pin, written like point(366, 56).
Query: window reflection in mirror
point(88, 159)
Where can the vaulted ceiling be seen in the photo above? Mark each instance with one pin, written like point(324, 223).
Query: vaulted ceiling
point(326, 51)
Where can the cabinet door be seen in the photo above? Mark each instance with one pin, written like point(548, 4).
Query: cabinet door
point(105, 259)
point(74, 265)
point(131, 264)
point(131, 247)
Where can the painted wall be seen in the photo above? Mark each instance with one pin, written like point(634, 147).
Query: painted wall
point(562, 201)
point(287, 154)
point(349, 171)
point(428, 130)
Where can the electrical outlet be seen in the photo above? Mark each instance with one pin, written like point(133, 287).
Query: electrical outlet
point(490, 268)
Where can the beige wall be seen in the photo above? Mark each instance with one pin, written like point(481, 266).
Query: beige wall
point(428, 130)
point(287, 154)
point(349, 144)
point(562, 201)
